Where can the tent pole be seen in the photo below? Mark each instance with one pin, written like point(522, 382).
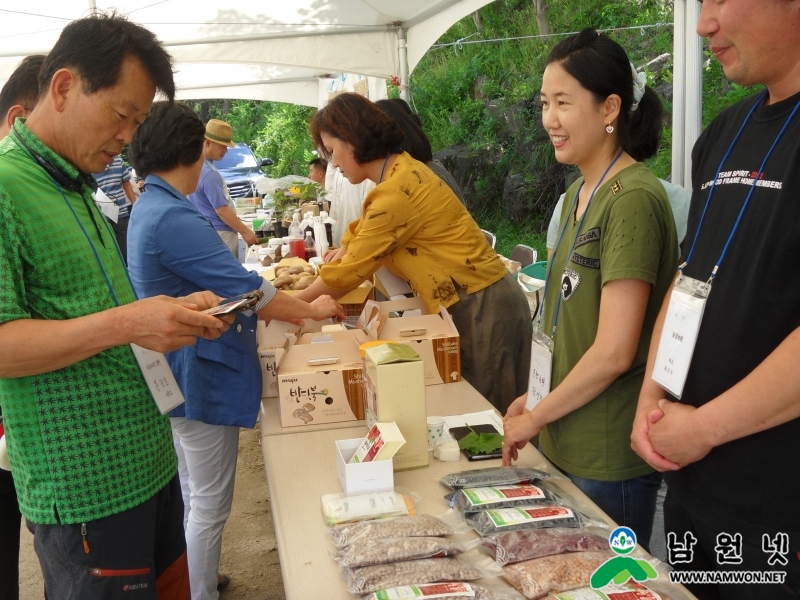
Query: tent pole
point(693, 82)
point(402, 52)
point(678, 93)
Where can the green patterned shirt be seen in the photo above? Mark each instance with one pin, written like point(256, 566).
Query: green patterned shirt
point(85, 441)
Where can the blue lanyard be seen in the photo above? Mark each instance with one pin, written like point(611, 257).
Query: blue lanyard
point(575, 241)
point(94, 250)
point(749, 193)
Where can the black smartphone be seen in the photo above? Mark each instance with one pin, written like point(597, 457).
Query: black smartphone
point(236, 304)
point(460, 432)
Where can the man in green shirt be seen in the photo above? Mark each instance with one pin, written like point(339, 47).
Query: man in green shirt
point(92, 456)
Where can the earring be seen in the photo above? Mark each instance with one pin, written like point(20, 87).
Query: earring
point(609, 128)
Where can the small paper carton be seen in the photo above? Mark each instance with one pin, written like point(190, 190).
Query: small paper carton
point(382, 442)
point(359, 478)
point(394, 390)
point(434, 337)
point(320, 383)
point(272, 340)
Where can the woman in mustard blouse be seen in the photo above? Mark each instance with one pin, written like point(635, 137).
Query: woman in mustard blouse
point(413, 224)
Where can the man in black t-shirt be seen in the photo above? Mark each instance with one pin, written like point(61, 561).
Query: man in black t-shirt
point(730, 446)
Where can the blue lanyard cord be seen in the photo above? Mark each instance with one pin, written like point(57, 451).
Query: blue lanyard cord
point(577, 233)
point(749, 193)
point(94, 250)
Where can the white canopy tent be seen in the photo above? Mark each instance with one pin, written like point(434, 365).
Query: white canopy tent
point(287, 51)
point(256, 50)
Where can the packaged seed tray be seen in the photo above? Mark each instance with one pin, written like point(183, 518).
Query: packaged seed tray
point(407, 526)
point(537, 516)
point(473, 499)
point(493, 476)
point(516, 546)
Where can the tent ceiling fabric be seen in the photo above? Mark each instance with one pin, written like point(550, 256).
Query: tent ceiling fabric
point(253, 50)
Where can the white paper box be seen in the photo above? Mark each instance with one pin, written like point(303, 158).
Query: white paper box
point(362, 477)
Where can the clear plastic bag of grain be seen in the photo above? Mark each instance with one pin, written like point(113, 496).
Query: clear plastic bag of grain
point(517, 546)
point(378, 552)
point(553, 574)
point(473, 499)
point(409, 526)
point(493, 476)
point(631, 590)
point(436, 591)
point(536, 516)
point(428, 570)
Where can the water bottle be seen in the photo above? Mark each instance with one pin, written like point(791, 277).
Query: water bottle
point(294, 228)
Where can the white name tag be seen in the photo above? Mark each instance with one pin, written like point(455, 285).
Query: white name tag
point(679, 334)
point(541, 369)
point(159, 378)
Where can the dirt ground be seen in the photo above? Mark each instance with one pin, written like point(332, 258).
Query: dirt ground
point(249, 549)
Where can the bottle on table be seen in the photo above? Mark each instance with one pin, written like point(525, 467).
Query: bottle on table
point(294, 228)
point(310, 246)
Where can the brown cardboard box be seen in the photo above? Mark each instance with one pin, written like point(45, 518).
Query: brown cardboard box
point(437, 341)
point(311, 207)
point(272, 343)
point(394, 390)
point(389, 284)
point(353, 302)
point(355, 336)
point(321, 393)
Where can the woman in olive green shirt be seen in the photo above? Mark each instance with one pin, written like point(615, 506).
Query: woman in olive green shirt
point(614, 262)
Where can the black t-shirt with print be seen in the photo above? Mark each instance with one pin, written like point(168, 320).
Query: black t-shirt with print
point(750, 485)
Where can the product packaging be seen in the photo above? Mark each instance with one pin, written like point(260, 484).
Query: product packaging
point(493, 476)
point(394, 390)
point(382, 442)
point(347, 508)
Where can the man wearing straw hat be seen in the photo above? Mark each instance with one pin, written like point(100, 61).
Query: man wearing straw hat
point(212, 198)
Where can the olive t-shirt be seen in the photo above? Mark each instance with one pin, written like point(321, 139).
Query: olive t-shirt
point(628, 233)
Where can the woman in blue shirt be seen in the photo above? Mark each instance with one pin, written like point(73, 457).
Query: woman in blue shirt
point(173, 250)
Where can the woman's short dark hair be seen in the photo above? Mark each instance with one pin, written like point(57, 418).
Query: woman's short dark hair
point(171, 136)
point(416, 143)
point(359, 122)
point(23, 85)
point(96, 47)
point(601, 66)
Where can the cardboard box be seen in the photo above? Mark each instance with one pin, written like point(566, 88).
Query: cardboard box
point(311, 207)
point(272, 343)
point(354, 336)
point(390, 285)
point(320, 393)
point(354, 301)
point(361, 477)
point(439, 346)
point(394, 390)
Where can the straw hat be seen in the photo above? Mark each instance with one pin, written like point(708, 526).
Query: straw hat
point(219, 132)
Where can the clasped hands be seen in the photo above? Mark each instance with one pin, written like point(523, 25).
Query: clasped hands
point(667, 435)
